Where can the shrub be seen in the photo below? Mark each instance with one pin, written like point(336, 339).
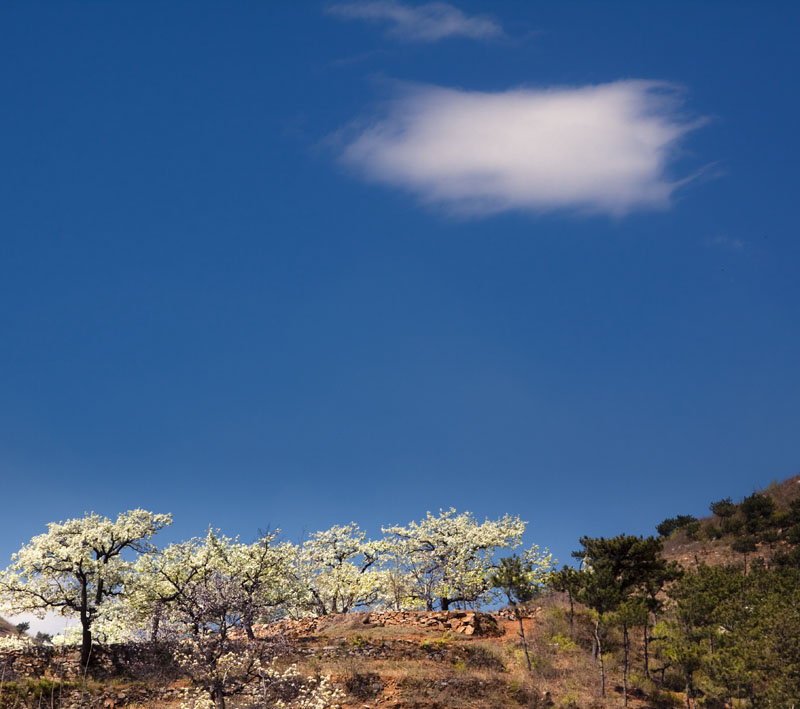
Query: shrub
point(673, 524)
point(562, 642)
point(732, 525)
point(757, 510)
point(362, 685)
point(723, 509)
point(569, 701)
point(483, 657)
point(692, 530)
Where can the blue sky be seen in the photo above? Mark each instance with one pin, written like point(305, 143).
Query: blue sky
point(295, 264)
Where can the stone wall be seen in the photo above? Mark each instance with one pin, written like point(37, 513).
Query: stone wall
point(36, 661)
point(106, 661)
point(524, 611)
point(469, 623)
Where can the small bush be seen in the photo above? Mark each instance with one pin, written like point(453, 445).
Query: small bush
point(663, 699)
point(481, 657)
point(437, 643)
point(672, 524)
point(692, 530)
point(674, 681)
point(569, 701)
point(543, 666)
point(562, 642)
point(362, 685)
point(524, 694)
point(732, 525)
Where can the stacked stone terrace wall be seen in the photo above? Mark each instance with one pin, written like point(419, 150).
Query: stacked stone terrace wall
point(31, 662)
point(469, 623)
point(107, 661)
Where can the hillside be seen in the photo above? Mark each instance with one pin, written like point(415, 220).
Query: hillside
point(6, 628)
point(423, 665)
point(429, 661)
point(742, 640)
point(708, 540)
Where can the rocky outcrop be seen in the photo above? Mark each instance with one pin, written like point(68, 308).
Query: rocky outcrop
point(468, 623)
point(524, 611)
point(462, 622)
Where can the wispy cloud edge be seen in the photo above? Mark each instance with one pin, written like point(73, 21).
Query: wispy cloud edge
point(430, 22)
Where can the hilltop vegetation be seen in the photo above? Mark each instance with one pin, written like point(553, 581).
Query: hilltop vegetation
point(763, 527)
point(272, 624)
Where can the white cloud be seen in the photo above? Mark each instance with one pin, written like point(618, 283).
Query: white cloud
point(603, 148)
point(422, 23)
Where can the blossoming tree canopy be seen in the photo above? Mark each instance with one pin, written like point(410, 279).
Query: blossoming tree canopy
point(173, 585)
point(77, 565)
point(449, 558)
point(334, 567)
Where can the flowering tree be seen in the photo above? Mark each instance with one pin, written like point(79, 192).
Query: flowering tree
point(449, 558)
point(168, 582)
point(77, 566)
point(219, 661)
point(397, 590)
point(209, 592)
point(334, 567)
point(261, 573)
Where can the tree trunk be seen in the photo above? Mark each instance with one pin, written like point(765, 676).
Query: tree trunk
point(154, 626)
point(522, 637)
point(86, 642)
point(218, 698)
point(599, 648)
point(445, 603)
point(86, 634)
point(571, 613)
point(646, 650)
point(626, 645)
